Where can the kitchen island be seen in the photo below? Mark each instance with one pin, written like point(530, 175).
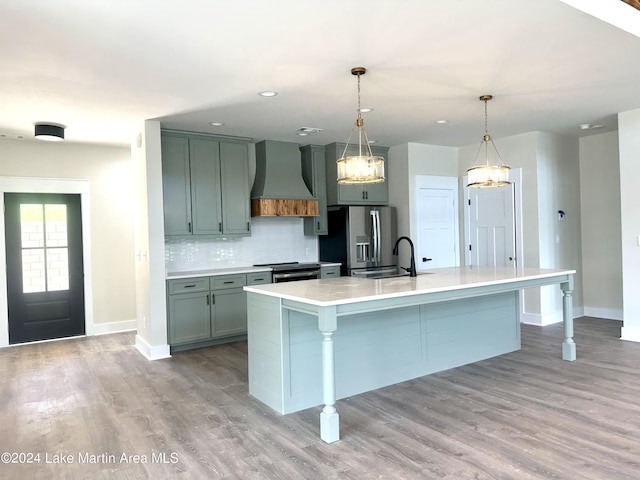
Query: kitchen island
point(316, 341)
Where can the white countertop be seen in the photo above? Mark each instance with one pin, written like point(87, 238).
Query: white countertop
point(343, 290)
point(229, 271)
point(215, 271)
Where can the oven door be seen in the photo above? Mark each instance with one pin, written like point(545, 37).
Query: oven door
point(294, 276)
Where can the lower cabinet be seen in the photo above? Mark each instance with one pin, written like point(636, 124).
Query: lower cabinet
point(329, 271)
point(205, 311)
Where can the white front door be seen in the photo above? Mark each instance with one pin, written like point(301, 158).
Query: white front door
point(437, 221)
point(492, 238)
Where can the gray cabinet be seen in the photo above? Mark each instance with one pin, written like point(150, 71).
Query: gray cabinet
point(205, 183)
point(314, 175)
point(189, 307)
point(329, 271)
point(205, 311)
point(365, 194)
point(228, 305)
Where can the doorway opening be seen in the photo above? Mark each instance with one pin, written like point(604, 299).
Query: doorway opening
point(45, 280)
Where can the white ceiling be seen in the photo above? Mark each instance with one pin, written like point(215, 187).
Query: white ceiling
point(100, 67)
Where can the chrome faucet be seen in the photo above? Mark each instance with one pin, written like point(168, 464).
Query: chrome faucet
point(412, 268)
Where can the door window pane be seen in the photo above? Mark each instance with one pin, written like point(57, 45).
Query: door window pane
point(56, 225)
point(45, 253)
point(57, 269)
point(32, 226)
point(33, 272)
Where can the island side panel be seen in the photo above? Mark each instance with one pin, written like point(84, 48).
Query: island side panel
point(372, 350)
point(470, 330)
point(377, 349)
point(266, 353)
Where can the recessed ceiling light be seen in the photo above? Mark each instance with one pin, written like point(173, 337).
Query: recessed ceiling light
point(267, 93)
point(302, 134)
point(216, 124)
point(372, 141)
point(441, 121)
point(366, 109)
point(308, 130)
point(589, 126)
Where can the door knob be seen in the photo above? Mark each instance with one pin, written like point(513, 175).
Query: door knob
point(425, 259)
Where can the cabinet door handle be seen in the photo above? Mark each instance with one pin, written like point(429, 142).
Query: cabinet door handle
point(363, 195)
point(189, 226)
point(207, 299)
point(220, 226)
point(228, 282)
point(189, 286)
point(258, 279)
point(248, 226)
point(213, 299)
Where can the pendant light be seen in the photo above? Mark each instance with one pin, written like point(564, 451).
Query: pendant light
point(363, 167)
point(486, 175)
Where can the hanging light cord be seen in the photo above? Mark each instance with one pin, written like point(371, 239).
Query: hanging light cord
point(486, 139)
point(361, 131)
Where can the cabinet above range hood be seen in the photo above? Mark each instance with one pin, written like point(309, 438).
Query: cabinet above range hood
point(279, 189)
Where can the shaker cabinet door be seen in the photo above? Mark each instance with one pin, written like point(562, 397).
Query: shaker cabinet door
point(190, 318)
point(206, 210)
point(176, 186)
point(234, 171)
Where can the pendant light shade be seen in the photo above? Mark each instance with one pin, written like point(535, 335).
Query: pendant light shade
point(486, 175)
point(49, 132)
point(363, 167)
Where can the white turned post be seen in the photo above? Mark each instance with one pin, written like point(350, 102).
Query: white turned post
point(329, 418)
point(568, 345)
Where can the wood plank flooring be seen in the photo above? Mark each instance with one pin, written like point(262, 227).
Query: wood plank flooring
point(524, 415)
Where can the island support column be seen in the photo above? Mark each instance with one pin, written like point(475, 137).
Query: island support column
point(329, 418)
point(568, 345)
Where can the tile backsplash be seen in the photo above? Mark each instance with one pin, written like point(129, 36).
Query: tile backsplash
point(272, 240)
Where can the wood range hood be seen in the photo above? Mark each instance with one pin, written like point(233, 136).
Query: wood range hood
point(279, 189)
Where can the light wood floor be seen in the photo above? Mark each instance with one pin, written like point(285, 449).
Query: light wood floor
point(525, 415)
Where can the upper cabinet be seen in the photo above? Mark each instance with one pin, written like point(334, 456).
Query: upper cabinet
point(314, 176)
point(364, 194)
point(205, 182)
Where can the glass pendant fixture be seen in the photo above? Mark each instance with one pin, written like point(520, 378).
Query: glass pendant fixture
point(363, 167)
point(486, 175)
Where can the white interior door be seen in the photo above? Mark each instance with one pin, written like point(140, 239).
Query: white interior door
point(492, 237)
point(437, 222)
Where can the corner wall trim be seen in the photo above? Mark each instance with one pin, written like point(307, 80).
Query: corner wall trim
point(152, 352)
point(630, 333)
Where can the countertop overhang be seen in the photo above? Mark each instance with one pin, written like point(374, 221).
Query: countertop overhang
point(347, 290)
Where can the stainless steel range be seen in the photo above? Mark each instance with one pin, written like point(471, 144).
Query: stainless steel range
point(292, 271)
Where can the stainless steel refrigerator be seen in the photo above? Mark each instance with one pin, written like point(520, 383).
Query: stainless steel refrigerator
point(361, 239)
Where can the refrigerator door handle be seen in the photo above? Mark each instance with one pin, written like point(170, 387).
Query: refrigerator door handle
point(375, 216)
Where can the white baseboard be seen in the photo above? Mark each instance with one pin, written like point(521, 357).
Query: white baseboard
point(114, 327)
point(548, 318)
point(152, 352)
point(608, 313)
point(630, 333)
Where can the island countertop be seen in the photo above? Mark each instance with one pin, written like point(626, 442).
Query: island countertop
point(344, 290)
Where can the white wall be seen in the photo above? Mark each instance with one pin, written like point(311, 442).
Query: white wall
point(560, 243)
point(600, 226)
point(108, 171)
point(151, 339)
point(406, 161)
point(550, 177)
point(629, 141)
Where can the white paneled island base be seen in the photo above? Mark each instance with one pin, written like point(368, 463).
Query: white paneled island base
point(316, 341)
